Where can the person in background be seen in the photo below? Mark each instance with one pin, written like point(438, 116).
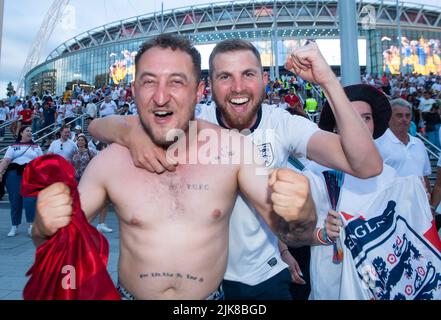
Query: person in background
point(18, 155)
point(91, 110)
point(63, 146)
point(403, 152)
point(432, 121)
point(4, 115)
point(374, 108)
point(82, 156)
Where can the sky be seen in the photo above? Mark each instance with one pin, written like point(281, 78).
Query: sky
point(23, 18)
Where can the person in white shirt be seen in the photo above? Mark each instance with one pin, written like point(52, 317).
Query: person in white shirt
point(283, 104)
point(426, 103)
point(375, 110)
point(70, 109)
point(108, 107)
point(60, 114)
point(115, 94)
point(64, 146)
point(406, 154)
point(91, 111)
point(132, 106)
point(18, 155)
point(436, 87)
point(4, 115)
point(13, 115)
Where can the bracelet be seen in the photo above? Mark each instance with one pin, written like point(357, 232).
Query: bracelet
point(319, 238)
point(281, 252)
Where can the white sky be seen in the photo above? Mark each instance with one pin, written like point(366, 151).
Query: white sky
point(22, 20)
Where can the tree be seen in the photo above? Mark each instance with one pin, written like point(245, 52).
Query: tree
point(10, 90)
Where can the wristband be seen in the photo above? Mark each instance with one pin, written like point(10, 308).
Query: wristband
point(319, 238)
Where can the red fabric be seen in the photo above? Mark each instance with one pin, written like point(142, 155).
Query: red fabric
point(72, 264)
point(27, 115)
point(291, 99)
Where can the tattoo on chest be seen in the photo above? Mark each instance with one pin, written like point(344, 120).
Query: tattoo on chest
point(169, 275)
point(197, 187)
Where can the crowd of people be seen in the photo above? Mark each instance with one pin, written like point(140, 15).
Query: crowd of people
point(245, 247)
point(44, 114)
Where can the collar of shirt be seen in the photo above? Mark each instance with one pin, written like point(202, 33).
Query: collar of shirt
point(394, 138)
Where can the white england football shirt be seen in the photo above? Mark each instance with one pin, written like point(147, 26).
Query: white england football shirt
point(253, 249)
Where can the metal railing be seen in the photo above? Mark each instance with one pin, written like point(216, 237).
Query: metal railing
point(430, 146)
point(56, 126)
point(7, 123)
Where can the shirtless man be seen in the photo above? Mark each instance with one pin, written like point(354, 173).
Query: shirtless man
point(174, 226)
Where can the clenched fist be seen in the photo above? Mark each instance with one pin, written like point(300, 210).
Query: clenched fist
point(54, 210)
point(291, 196)
point(310, 65)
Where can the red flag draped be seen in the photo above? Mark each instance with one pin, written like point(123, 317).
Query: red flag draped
point(72, 264)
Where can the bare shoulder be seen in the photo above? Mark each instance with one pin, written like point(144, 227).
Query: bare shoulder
point(113, 156)
point(203, 124)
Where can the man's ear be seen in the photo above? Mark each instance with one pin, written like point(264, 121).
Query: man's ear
point(200, 92)
point(132, 86)
point(265, 77)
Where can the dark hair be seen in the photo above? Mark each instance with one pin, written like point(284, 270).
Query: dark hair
point(169, 41)
point(23, 128)
point(65, 126)
point(232, 45)
point(81, 135)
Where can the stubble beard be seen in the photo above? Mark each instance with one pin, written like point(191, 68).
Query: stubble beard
point(162, 141)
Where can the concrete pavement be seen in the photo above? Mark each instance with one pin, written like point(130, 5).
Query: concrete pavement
point(17, 254)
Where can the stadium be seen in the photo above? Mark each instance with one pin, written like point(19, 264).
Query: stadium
point(105, 55)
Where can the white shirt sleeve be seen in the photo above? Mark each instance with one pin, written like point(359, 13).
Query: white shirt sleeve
point(9, 153)
point(299, 131)
point(427, 171)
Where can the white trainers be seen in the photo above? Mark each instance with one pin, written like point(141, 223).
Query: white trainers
point(30, 230)
point(13, 232)
point(103, 228)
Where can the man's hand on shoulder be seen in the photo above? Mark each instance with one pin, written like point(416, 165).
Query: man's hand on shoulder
point(145, 153)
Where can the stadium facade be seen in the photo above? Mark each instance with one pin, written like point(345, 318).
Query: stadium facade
point(105, 55)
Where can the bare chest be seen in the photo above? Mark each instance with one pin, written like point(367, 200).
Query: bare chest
point(200, 193)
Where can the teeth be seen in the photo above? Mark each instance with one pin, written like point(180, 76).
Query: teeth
point(162, 113)
point(239, 100)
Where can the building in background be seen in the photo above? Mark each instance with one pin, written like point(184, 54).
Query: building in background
point(105, 55)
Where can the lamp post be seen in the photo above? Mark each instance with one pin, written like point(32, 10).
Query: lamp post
point(350, 68)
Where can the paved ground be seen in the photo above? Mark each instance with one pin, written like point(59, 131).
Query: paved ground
point(17, 254)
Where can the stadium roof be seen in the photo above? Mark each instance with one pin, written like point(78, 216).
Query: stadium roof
point(214, 22)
